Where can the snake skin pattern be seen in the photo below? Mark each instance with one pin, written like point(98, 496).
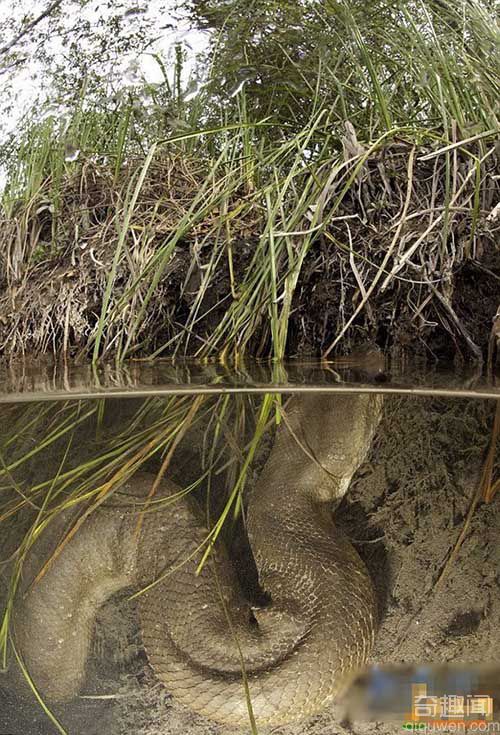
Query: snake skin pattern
point(203, 640)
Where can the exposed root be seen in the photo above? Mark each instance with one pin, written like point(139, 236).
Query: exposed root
point(396, 243)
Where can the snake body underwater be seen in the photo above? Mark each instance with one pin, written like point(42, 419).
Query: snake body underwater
point(297, 653)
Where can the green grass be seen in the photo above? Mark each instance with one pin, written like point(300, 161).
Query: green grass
point(368, 167)
point(82, 455)
point(227, 245)
point(200, 242)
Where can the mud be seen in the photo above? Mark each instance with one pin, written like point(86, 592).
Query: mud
point(404, 511)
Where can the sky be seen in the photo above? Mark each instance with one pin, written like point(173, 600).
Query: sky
point(28, 86)
point(25, 85)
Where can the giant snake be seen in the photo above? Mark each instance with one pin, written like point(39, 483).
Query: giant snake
point(212, 649)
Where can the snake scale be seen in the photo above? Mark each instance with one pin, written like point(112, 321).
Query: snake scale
point(297, 653)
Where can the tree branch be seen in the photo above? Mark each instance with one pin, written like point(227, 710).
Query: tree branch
point(29, 26)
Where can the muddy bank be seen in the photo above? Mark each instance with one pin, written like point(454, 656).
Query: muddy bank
point(417, 276)
point(404, 511)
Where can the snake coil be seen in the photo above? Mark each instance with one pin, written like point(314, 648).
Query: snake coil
point(297, 653)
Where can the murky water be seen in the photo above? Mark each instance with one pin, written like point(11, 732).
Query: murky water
point(414, 511)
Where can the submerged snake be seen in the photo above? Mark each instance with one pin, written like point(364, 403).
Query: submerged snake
point(295, 654)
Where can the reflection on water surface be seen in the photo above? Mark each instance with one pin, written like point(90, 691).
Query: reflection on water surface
point(366, 371)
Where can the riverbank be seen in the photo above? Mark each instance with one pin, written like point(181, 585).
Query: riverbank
point(392, 241)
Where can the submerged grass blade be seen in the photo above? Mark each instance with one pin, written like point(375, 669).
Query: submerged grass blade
point(36, 693)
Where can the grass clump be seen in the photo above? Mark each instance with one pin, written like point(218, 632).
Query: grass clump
point(348, 189)
point(278, 218)
point(294, 247)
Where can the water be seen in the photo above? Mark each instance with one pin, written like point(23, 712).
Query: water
point(404, 511)
point(361, 372)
